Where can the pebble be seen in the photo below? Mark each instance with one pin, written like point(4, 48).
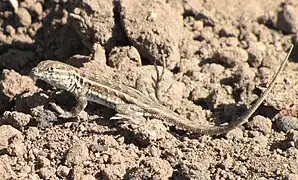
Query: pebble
point(292, 136)
point(6, 132)
point(255, 53)
point(260, 123)
point(286, 123)
point(77, 154)
point(152, 168)
point(16, 119)
point(24, 16)
point(288, 19)
point(62, 171)
point(16, 146)
point(231, 56)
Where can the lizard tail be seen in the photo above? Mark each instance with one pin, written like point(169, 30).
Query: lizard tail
point(217, 130)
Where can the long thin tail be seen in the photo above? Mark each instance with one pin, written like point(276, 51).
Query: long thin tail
point(216, 130)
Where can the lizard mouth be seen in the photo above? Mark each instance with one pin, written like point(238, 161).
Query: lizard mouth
point(34, 74)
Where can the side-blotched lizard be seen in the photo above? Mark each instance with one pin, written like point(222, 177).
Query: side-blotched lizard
point(127, 101)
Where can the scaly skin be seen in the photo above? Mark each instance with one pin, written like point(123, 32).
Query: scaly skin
point(128, 102)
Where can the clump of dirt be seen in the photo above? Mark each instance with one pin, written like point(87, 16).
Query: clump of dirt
point(219, 55)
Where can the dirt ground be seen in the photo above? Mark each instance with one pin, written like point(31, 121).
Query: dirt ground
point(220, 56)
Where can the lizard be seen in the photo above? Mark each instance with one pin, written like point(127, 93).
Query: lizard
point(128, 102)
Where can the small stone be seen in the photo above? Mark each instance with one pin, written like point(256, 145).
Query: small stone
point(99, 54)
point(229, 31)
point(43, 161)
point(255, 53)
point(292, 176)
point(215, 69)
point(116, 158)
point(148, 132)
point(97, 148)
point(32, 133)
point(37, 8)
point(24, 16)
point(292, 136)
point(206, 34)
point(124, 58)
point(16, 119)
point(10, 29)
point(47, 172)
point(154, 38)
point(77, 154)
point(287, 19)
point(261, 124)
point(231, 56)
point(5, 167)
point(227, 163)
point(63, 171)
point(152, 168)
point(13, 83)
point(113, 171)
point(16, 146)
point(108, 141)
point(6, 132)
point(43, 117)
point(286, 123)
point(236, 134)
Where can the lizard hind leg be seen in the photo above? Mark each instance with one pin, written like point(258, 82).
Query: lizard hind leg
point(129, 113)
point(159, 77)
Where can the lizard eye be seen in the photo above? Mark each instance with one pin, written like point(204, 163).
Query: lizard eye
point(51, 69)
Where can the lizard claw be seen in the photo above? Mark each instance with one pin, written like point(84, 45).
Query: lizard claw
point(61, 112)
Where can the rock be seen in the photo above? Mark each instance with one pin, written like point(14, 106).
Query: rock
point(213, 68)
point(24, 16)
point(152, 168)
point(286, 123)
point(62, 171)
point(147, 132)
point(5, 167)
point(77, 154)
point(16, 146)
point(13, 83)
point(43, 117)
point(292, 136)
point(16, 119)
point(229, 31)
point(287, 19)
point(32, 133)
point(291, 176)
point(156, 31)
point(236, 134)
point(261, 124)
point(256, 52)
point(47, 172)
point(113, 171)
point(231, 56)
point(94, 22)
point(43, 161)
point(28, 101)
point(6, 132)
point(124, 58)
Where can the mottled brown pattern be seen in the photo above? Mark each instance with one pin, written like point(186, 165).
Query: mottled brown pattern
point(127, 101)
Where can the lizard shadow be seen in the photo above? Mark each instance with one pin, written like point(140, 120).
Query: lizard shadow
point(115, 126)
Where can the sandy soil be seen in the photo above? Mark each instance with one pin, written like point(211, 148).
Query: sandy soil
point(220, 56)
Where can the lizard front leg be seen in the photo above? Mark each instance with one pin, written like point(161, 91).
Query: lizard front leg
point(75, 111)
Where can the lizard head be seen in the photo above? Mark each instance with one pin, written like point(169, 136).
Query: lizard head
point(55, 73)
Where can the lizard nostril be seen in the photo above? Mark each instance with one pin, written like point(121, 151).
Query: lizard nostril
point(33, 72)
